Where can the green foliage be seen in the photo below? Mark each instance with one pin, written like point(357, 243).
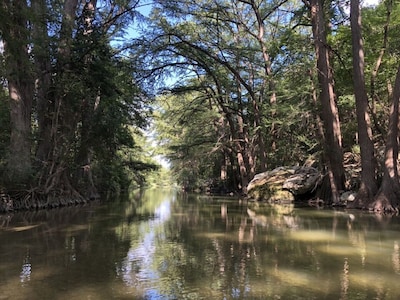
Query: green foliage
point(228, 77)
point(374, 20)
point(293, 123)
point(347, 112)
point(160, 178)
point(221, 104)
point(87, 98)
point(186, 132)
point(119, 108)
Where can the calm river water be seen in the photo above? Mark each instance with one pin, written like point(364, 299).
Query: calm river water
point(169, 245)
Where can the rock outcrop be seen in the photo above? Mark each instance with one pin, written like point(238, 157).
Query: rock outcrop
point(284, 183)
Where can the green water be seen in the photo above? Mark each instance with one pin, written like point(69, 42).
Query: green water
point(169, 245)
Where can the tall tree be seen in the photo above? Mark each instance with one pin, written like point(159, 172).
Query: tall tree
point(59, 111)
point(16, 38)
point(368, 186)
point(267, 89)
point(329, 114)
point(66, 79)
point(387, 198)
point(226, 43)
point(43, 74)
point(379, 60)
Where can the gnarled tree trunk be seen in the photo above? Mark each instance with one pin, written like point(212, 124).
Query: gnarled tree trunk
point(330, 116)
point(368, 185)
point(387, 198)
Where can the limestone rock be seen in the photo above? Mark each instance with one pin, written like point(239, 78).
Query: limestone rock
point(268, 185)
point(283, 183)
point(303, 181)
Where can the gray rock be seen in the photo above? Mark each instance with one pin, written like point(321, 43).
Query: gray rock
point(283, 183)
point(348, 196)
point(303, 181)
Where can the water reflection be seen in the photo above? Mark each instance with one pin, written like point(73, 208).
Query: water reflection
point(167, 245)
point(26, 269)
point(396, 257)
point(137, 268)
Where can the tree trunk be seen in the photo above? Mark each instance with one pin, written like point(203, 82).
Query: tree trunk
point(43, 79)
point(379, 59)
point(57, 134)
point(20, 86)
point(89, 104)
point(329, 115)
point(368, 186)
point(257, 103)
point(243, 172)
point(387, 198)
point(244, 155)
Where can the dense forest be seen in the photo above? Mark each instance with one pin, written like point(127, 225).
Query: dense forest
point(227, 89)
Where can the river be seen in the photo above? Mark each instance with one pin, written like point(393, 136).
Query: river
point(160, 244)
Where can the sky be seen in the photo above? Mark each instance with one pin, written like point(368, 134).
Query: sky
point(370, 2)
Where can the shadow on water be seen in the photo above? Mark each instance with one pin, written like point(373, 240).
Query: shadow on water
point(169, 245)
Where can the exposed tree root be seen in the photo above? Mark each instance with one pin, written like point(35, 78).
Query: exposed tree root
point(382, 205)
point(36, 199)
point(363, 198)
point(53, 189)
point(386, 201)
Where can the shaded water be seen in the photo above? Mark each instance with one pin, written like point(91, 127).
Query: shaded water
point(167, 245)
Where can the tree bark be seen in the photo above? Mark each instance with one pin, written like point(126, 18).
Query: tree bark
point(57, 115)
point(330, 116)
point(368, 186)
point(237, 132)
point(387, 198)
point(258, 101)
point(88, 107)
point(43, 71)
point(20, 86)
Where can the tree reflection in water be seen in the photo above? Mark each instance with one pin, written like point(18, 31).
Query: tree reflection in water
point(396, 257)
point(26, 269)
point(168, 245)
point(344, 282)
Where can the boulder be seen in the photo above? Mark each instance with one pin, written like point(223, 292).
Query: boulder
point(303, 181)
point(284, 183)
point(268, 186)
